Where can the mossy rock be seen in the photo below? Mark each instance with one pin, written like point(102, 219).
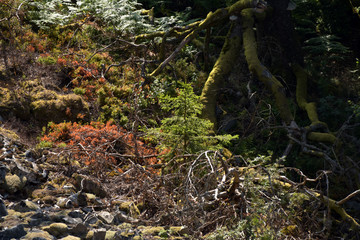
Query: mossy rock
point(14, 183)
point(89, 235)
point(70, 238)
point(37, 234)
point(45, 105)
point(129, 207)
point(149, 230)
point(57, 229)
point(64, 107)
point(12, 103)
point(181, 230)
point(110, 235)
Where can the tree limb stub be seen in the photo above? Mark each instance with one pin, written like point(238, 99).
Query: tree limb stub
point(261, 71)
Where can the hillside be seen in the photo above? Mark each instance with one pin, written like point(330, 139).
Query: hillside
point(179, 120)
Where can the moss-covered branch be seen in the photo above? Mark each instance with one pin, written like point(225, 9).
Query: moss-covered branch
point(309, 107)
point(339, 210)
point(261, 71)
point(222, 67)
point(331, 203)
point(211, 19)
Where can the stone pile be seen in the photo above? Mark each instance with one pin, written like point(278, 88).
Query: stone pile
point(35, 206)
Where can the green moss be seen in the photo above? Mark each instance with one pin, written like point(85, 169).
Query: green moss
point(80, 91)
point(110, 235)
point(130, 208)
point(9, 134)
point(37, 235)
point(49, 60)
point(65, 107)
point(13, 102)
point(148, 230)
point(56, 229)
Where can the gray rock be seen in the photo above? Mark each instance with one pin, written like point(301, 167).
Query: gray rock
point(29, 155)
point(70, 220)
point(91, 219)
point(3, 170)
point(15, 232)
point(99, 234)
point(26, 206)
point(79, 230)
point(106, 217)
point(76, 214)
point(3, 211)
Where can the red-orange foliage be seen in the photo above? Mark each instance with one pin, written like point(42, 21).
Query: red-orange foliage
point(99, 145)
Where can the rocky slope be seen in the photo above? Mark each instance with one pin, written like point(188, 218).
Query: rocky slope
point(40, 201)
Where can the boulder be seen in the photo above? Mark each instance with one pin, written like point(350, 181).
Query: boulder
point(3, 211)
point(37, 234)
point(79, 230)
point(70, 238)
point(25, 206)
point(14, 183)
point(57, 229)
point(99, 234)
point(14, 232)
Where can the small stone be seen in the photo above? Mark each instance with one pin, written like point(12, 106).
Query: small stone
point(91, 219)
point(89, 235)
point(89, 186)
point(3, 211)
point(99, 234)
point(79, 230)
point(120, 235)
point(76, 214)
point(51, 200)
point(181, 230)
point(29, 155)
point(56, 229)
point(26, 206)
point(106, 217)
point(70, 220)
point(64, 203)
point(3, 170)
point(58, 216)
point(110, 235)
point(129, 207)
point(70, 238)
point(15, 232)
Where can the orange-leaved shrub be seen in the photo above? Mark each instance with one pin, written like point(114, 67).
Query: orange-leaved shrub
point(99, 145)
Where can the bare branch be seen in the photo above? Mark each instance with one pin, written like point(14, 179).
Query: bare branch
point(348, 197)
